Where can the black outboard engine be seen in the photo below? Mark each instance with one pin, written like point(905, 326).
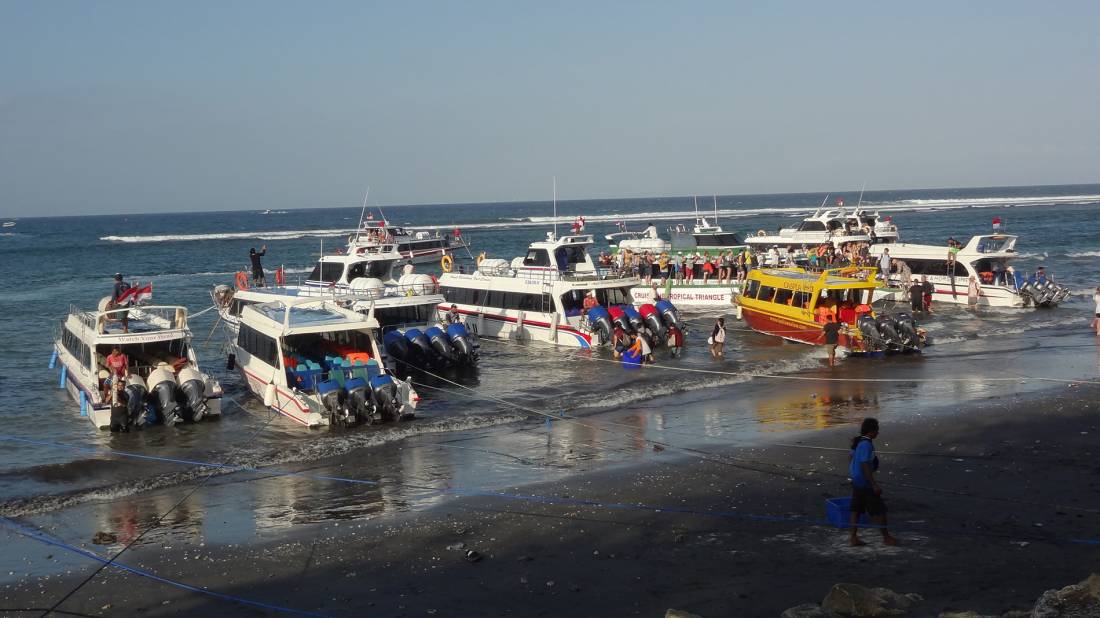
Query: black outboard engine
point(1027, 293)
point(396, 345)
point(669, 313)
point(135, 404)
point(193, 387)
point(334, 399)
point(359, 402)
point(619, 318)
point(384, 392)
point(888, 328)
point(441, 344)
point(907, 328)
point(464, 344)
point(600, 320)
point(420, 348)
point(634, 317)
point(162, 386)
point(868, 327)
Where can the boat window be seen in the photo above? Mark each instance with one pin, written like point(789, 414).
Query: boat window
point(812, 226)
point(376, 269)
point(933, 267)
point(537, 257)
point(237, 305)
point(751, 288)
point(572, 302)
point(574, 255)
point(316, 346)
point(80, 350)
point(258, 344)
point(613, 296)
point(726, 239)
point(801, 300)
point(465, 296)
point(766, 292)
point(409, 314)
point(782, 295)
point(494, 298)
point(329, 272)
point(991, 244)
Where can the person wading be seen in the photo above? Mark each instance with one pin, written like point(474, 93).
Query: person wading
point(718, 339)
point(866, 493)
point(831, 332)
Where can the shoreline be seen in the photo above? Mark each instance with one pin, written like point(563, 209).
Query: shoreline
point(715, 532)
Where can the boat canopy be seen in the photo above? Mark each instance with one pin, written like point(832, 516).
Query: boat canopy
point(303, 316)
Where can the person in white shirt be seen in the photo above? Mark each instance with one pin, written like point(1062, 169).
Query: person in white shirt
point(1096, 318)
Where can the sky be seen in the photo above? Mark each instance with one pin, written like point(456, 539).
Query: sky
point(156, 106)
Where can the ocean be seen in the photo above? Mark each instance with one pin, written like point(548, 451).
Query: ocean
point(55, 263)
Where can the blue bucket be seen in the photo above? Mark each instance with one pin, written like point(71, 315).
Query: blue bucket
point(839, 512)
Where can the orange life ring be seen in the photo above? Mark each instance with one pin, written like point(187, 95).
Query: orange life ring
point(447, 263)
point(280, 276)
point(242, 280)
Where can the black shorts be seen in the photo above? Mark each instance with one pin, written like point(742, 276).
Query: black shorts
point(865, 500)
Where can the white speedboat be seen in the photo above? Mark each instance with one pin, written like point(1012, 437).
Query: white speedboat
point(415, 246)
point(406, 309)
point(987, 258)
point(316, 363)
point(541, 296)
point(825, 225)
point(163, 379)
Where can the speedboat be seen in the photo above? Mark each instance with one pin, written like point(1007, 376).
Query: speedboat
point(415, 246)
point(163, 379)
point(316, 363)
point(542, 297)
point(792, 303)
point(825, 225)
point(988, 258)
point(406, 308)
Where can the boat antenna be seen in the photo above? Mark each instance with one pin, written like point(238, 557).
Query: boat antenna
point(861, 194)
point(715, 209)
point(362, 213)
point(696, 198)
point(555, 207)
point(818, 212)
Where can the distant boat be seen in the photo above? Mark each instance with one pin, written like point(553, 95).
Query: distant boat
point(266, 212)
point(9, 224)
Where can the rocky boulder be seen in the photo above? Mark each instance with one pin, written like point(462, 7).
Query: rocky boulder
point(855, 600)
point(1076, 601)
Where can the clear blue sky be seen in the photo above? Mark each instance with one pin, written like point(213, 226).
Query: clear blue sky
point(166, 106)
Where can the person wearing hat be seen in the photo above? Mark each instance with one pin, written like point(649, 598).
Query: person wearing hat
point(120, 288)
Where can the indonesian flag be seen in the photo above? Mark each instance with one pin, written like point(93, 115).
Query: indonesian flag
point(839, 201)
point(370, 216)
point(137, 294)
point(996, 223)
point(457, 233)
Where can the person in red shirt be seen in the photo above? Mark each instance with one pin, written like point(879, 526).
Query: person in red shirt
point(675, 341)
point(117, 367)
point(590, 302)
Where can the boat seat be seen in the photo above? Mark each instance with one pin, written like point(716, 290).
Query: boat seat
point(373, 370)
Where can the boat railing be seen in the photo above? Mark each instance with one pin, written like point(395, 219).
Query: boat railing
point(862, 273)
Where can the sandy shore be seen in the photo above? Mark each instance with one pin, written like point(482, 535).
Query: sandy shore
point(987, 501)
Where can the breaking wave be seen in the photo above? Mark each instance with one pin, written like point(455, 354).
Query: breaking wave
point(264, 235)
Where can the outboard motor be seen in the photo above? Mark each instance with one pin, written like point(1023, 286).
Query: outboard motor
point(1061, 294)
point(652, 319)
point(334, 399)
point(888, 328)
point(464, 344)
point(419, 346)
point(384, 392)
point(868, 327)
point(162, 385)
point(194, 389)
point(135, 404)
point(396, 345)
point(441, 344)
point(360, 403)
point(618, 318)
point(600, 320)
point(668, 313)
point(907, 328)
point(634, 317)
point(1046, 293)
point(1027, 293)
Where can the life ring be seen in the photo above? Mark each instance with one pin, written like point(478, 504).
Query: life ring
point(280, 276)
point(242, 280)
point(761, 233)
point(480, 256)
point(447, 263)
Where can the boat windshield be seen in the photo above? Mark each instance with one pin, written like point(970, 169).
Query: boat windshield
point(301, 316)
point(811, 226)
point(377, 269)
point(992, 244)
point(328, 272)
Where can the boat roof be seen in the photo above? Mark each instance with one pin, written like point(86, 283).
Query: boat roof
point(553, 242)
point(833, 278)
point(146, 324)
point(980, 246)
point(395, 295)
point(297, 316)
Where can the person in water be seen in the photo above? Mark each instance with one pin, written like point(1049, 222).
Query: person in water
point(866, 493)
point(257, 268)
point(120, 409)
point(830, 331)
point(675, 341)
point(718, 339)
point(619, 342)
point(973, 291)
point(1096, 318)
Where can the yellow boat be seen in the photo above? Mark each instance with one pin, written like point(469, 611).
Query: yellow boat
point(792, 303)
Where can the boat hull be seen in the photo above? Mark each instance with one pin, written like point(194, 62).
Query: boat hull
point(505, 324)
point(793, 330)
point(704, 296)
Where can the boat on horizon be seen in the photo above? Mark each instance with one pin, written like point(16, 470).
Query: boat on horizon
point(415, 246)
point(163, 380)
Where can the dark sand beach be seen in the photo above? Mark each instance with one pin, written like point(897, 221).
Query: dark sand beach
point(994, 501)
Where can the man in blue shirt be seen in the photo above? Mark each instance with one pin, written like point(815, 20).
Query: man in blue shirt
point(866, 493)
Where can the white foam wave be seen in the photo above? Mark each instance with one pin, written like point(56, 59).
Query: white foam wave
point(1081, 254)
point(993, 202)
point(260, 235)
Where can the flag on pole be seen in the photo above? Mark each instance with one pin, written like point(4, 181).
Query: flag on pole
point(136, 294)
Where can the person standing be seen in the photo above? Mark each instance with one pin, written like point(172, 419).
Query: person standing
point(118, 300)
point(718, 339)
point(884, 265)
point(973, 291)
point(257, 268)
point(675, 341)
point(1096, 318)
point(830, 331)
point(866, 493)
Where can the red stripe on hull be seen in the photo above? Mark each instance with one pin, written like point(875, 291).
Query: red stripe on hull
point(789, 329)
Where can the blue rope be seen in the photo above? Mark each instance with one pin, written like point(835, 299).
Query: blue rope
point(42, 537)
point(460, 491)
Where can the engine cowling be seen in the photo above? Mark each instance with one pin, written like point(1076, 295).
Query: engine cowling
point(137, 393)
point(619, 318)
point(359, 403)
point(384, 391)
point(441, 344)
point(600, 319)
point(669, 313)
point(907, 328)
point(464, 344)
point(193, 385)
point(652, 320)
point(634, 317)
point(888, 328)
point(162, 385)
point(872, 338)
point(334, 398)
point(420, 348)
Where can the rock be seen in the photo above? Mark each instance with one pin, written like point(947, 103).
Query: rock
point(808, 610)
point(456, 546)
point(966, 614)
point(1078, 600)
point(679, 613)
point(855, 600)
point(104, 538)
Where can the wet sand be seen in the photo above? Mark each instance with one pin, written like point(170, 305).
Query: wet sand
point(987, 500)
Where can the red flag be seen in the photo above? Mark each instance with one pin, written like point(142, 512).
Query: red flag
point(141, 295)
